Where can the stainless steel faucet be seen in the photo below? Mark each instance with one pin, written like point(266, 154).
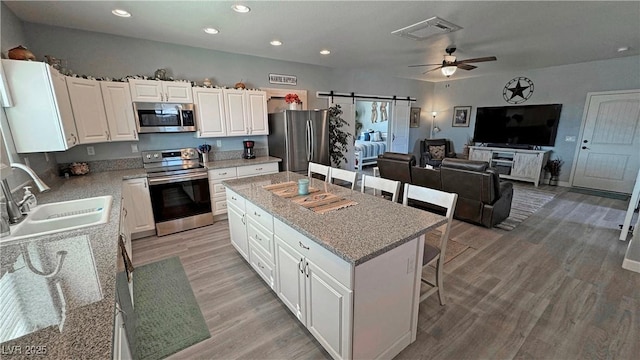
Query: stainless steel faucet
point(13, 210)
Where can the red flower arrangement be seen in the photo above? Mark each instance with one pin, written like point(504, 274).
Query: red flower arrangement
point(292, 98)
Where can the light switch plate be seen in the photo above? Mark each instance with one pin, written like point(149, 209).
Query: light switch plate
point(134, 148)
point(219, 143)
point(570, 138)
point(91, 150)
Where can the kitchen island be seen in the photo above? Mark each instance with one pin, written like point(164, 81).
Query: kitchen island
point(351, 276)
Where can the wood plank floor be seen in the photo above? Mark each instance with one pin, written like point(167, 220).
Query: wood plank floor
point(553, 288)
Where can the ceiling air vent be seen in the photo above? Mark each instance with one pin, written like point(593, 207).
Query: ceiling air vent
point(427, 28)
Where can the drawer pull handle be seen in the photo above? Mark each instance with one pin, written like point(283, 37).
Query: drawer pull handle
point(258, 169)
point(256, 214)
point(306, 269)
point(303, 246)
point(224, 173)
point(258, 238)
point(233, 198)
point(300, 266)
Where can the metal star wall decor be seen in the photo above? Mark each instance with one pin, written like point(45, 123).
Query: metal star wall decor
point(517, 90)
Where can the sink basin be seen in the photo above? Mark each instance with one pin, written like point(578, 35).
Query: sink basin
point(62, 216)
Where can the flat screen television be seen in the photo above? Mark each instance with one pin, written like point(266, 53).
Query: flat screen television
point(532, 125)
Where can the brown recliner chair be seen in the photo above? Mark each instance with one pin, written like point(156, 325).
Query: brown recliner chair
point(482, 198)
point(433, 151)
point(396, 166)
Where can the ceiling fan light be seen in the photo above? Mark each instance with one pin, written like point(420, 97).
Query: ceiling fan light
point(448, 70)
point(449, 58)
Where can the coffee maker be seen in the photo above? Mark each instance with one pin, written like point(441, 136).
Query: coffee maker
point(248, 149)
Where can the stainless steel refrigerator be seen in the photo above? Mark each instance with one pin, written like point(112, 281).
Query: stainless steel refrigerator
point(298, 137)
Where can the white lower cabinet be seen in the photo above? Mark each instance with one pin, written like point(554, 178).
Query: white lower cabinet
point(121, 349)
point(216, 176)
point(237, 224)
point(136, 201)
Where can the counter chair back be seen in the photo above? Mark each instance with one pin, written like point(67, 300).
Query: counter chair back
point(315, 168)
point(431, 254)
point(344, 175)
point(382, 184)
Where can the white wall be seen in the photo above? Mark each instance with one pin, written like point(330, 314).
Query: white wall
point(567, 85)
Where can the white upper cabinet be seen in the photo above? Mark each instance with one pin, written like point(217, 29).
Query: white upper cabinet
point(257, 112)
point(103, 110)
point(210, 114)
point(41, 118)
point(119, 110)
point(88, 110)
point(246, 112)
point(160, 91)
point(234, 104)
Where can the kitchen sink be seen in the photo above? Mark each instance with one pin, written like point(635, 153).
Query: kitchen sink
point(62, 216)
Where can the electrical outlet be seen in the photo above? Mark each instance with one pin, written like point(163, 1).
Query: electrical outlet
point(570, 138)
point(219, 143)
point(91, 150)
point(134, 148)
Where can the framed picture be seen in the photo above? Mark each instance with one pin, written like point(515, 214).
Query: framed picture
point(414, 118)
point(461, 115)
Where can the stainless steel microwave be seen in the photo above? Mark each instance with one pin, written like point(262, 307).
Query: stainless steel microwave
point(164, 117)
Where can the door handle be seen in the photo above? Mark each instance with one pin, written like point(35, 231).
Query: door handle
point(585, 141)
point(585, 148)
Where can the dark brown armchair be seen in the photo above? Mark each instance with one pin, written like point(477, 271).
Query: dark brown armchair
point(396, 166)
point(433, 151)
point(482, 198)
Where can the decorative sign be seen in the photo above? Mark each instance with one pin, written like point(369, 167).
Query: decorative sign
point(283, 79)
point(518, 90)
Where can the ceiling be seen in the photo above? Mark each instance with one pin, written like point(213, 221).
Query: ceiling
point(522, 35)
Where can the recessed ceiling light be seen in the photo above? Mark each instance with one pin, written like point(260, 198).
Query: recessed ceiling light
point(623, 49)
point(240, 8)
point(121, 13)
point(211, 30)
point(325, 52)
point(276, 43)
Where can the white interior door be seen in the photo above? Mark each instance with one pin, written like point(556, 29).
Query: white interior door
point(608, 155)
point(399, 136)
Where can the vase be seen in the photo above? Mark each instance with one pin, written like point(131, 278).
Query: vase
point(553, 180)
point(293, 106)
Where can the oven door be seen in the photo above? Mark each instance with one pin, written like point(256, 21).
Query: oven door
point(180, 202)
point(164, 117)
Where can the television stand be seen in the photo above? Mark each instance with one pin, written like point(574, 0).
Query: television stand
point(510, 163)
point(510, 146)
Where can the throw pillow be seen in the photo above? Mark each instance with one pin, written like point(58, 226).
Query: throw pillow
point(365, 136)
point(437, 152)
point(376, 136)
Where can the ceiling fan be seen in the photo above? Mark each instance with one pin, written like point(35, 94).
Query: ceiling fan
point(450, 64)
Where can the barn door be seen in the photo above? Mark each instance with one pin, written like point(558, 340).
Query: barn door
point(609, 149)
point(399, 136)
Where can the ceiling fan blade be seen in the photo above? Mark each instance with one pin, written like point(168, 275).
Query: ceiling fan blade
point(438, 68)
point(425, 65)
point(465, 66)
point(476, 60)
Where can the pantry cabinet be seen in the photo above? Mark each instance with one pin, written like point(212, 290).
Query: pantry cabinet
point(41, 118)
point(161, 91)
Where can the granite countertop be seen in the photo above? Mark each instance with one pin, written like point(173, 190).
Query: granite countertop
point(86, 280)
point(219, 164)
point(357, 233)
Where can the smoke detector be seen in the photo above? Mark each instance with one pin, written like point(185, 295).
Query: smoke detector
point(427, 28)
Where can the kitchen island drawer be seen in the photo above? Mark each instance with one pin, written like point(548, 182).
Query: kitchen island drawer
point(260, 216)
point(263, 267)
point(236, 199)
point(262, 237)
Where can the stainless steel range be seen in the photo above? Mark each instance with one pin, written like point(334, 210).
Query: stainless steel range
point(179, 190)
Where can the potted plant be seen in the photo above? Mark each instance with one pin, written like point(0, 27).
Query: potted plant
point(293, 100)
point(338, 139)
point(554, 167)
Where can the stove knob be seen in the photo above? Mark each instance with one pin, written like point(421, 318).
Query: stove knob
point(156, 155)
point(149, 156)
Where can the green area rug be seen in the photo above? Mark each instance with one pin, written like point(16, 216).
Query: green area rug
point(526, 201)
point(168, 316)
point(606, 194)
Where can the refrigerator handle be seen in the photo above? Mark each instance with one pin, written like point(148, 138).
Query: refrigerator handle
point(308, 140)
point(312, 143)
